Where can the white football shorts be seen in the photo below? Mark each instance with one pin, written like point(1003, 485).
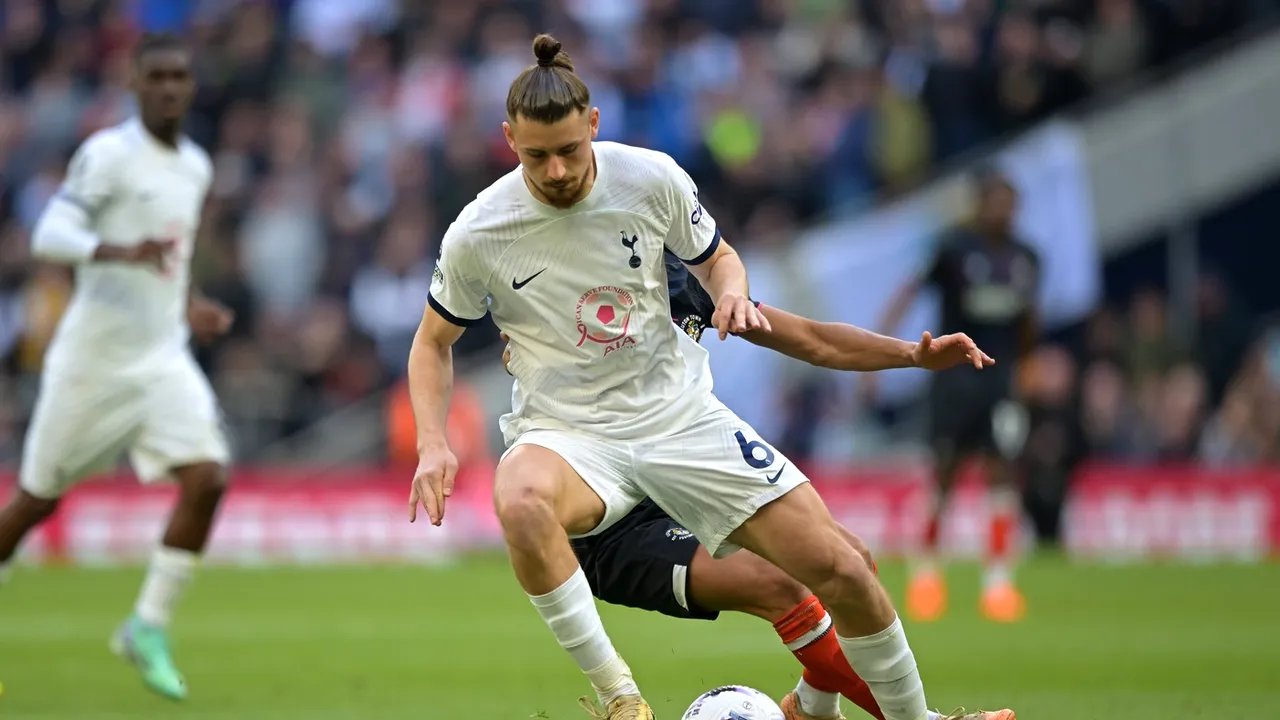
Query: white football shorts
point(710, 476)
point(82, 425)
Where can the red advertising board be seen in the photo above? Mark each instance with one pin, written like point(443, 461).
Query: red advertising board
point(1186, 512)
point(361, 515)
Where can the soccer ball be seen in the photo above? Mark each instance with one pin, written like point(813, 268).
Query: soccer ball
point(733, 702)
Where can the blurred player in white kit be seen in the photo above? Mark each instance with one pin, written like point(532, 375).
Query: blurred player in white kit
point(119, 375)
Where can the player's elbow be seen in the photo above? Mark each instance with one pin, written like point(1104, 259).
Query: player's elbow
point(43, 242)
point(815, 350)
point(428, 348)
point(59, 237)
point(825, 357)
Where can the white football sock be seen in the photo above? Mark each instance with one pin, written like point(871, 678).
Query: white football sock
point(570, 612)
point(997, 574)
point(818, 703)
point(934, 715)
point(885, 662)
point(170, 572)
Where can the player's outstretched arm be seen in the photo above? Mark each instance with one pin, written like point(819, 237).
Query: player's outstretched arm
point(847, 347)
point(831, 345)
point(430, 378)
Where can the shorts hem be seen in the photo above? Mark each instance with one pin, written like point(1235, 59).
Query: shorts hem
point(717, 543)
point(681, 575)
point(42, 493)
point(164, 471)
point(613, 511)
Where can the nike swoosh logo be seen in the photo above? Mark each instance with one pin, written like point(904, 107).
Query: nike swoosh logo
point(517, 284)
point(774, 478)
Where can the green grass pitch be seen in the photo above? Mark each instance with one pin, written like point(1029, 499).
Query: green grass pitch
point(1145, 642)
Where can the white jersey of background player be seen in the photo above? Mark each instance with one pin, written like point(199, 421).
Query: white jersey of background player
point(612, 402)
point(119, 376)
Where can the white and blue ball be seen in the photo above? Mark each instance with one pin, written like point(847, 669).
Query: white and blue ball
point(733, 702)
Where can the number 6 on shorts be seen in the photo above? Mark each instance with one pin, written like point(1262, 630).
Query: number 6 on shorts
point(749, 452)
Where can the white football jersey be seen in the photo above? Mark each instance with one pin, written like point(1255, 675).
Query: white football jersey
point(582, 292)
point(125, 318)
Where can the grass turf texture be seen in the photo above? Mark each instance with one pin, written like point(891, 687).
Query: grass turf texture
point(462, 643)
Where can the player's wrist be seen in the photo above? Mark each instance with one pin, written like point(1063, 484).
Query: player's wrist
point(432, 442)
point(910, 354)
point(106, 252)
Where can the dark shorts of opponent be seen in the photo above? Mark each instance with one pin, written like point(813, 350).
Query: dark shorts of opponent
point(975, 413)
point(643, 562)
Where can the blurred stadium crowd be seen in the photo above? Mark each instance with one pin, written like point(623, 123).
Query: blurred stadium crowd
point(347, 134)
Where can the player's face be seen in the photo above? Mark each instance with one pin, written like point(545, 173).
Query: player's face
point(556, 157)
point(998, 204)
point(165, 84)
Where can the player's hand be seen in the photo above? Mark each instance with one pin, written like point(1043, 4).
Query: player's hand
point(433, 482)
point(948, 351)
point(506, 352)
point(736, 314)
point(156, 253)
point(209, 319)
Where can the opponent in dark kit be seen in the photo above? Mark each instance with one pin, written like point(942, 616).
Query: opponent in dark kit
point(988, 281)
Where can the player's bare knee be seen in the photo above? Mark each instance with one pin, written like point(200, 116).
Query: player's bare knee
point(857, 544)
point(524, 506)
point(844, 576)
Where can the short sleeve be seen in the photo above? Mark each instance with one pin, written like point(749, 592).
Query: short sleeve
point(90, 179)
point(693, 236)
point(457, 290)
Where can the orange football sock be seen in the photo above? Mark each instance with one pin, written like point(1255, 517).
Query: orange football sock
point(807, 632)
point(1001, 538)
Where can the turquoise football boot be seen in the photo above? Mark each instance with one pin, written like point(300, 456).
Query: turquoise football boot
point(147, 648)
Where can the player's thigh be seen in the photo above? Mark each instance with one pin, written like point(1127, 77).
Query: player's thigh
point(586, 480)
point(797, 533)
point(959, 425)
point(714, 475)
point(183, 424)
point(644, 561)
point(80, 426)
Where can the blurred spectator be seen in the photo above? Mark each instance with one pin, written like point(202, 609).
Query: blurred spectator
point(1234, 436)
point(1224, 332)
point(1181, 413)
point(1118, 44)
point(1151, 349)
point(1107, 415)
point(385, 296)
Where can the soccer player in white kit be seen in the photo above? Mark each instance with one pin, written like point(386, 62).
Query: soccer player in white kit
point(119, 375)
point(612, 403)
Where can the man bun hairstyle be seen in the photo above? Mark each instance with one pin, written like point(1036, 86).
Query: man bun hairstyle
point(549, 91)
